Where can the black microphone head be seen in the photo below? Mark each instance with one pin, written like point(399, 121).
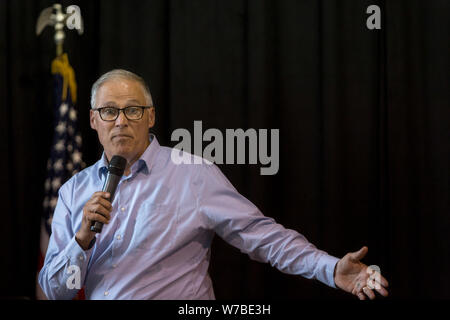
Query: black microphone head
point(117, 165)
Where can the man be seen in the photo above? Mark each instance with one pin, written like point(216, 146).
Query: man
point(157, 235)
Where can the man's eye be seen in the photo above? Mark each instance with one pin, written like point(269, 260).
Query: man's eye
point(109, 111)
point(133, 110)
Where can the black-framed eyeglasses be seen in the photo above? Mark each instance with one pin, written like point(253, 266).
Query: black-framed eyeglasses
point(131, 112)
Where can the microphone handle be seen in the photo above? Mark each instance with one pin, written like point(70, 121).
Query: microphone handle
point(110, 185)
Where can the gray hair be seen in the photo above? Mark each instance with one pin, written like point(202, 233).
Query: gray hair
point(120, 74)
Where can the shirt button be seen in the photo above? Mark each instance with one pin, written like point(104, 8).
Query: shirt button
point(118, 237)
point(123, 209)
point(114, 265)
point(106, 293)
point(81, 258)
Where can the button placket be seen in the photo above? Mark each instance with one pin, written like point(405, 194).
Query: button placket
point(115, 250)
point(120, 205)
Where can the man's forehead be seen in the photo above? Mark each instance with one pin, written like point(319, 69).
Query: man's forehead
point(120, 90)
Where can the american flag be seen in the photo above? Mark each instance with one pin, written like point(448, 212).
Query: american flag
point(65, 156)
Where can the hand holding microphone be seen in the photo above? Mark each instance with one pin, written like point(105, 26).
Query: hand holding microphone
point(98, 208)
point(97, 211)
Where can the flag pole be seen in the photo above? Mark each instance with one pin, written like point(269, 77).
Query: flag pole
point(65, 157)
point(59, 37)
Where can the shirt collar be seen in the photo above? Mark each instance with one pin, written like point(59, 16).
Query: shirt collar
point(144, 164)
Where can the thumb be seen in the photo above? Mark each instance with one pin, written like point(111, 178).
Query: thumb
point(358, 255)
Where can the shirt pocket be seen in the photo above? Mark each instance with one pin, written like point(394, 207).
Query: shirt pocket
point(155, 227)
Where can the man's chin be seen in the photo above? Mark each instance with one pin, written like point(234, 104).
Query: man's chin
point(122, 151)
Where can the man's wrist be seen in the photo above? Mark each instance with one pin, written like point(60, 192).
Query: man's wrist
point(334, 273)
point(84, 243)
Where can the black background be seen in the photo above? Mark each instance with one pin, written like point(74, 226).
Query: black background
point(363, 117)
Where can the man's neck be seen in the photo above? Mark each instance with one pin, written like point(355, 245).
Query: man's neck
point(131, 160)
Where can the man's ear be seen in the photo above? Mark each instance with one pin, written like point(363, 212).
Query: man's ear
point(151, 117)
point(92, 119)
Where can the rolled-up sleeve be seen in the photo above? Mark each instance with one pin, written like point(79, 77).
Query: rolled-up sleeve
point(66, 263)
point(240, 223)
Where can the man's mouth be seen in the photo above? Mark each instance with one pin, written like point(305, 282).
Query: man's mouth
point(120, 135)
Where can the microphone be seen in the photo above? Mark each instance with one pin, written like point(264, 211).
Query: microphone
point(115, 171)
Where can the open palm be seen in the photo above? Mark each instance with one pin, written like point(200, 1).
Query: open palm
point(351, 275)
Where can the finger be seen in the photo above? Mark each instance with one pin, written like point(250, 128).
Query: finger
point(99, 202)
point(383, 281)
point(98, 208)
point(375, 275)
point(382, 291)
point(376, 282)
point(104, 202)
point(102, 194)
point(357, 288)
point(358, 255)
point(361, 296)
point(369, 293)
point(93, 216)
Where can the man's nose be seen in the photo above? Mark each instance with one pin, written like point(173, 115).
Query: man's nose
point(121, 119)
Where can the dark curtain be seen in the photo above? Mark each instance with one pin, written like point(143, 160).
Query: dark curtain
point(363, 118)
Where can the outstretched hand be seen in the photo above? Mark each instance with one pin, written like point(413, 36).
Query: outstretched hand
point(353, 276)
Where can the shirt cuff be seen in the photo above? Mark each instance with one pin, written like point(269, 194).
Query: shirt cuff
point(326, 266)
point(76, 255)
